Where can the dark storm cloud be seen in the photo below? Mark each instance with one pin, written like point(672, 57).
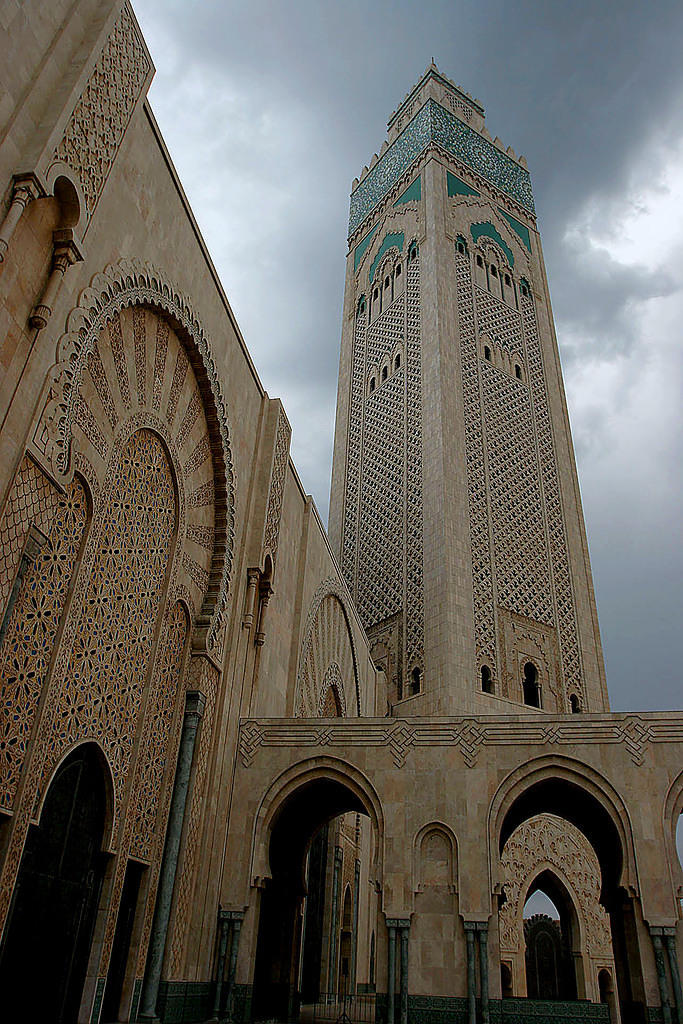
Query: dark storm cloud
point(270, 110)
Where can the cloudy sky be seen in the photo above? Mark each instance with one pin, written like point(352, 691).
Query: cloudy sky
point(271, 109)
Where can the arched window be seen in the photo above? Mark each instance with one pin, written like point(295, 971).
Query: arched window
point(461, 245)
point(415, 681)
point(494, 271)
point(385, 372)
point(518, 371)
point(372, 384)
point(375, 294)
point(532, 693)
point(487, 353)
point(398, 270)
point(397, 361)
point(480, 262)
point(575, 704)
point(486, 680)
point(387, 282)
point(524, 287)
point(507, 280)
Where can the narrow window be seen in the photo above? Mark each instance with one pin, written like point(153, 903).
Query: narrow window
point(518, 371)
point(387, 282)
point(385, 372)
point(480, 262)
point(398, 270)
point(494, 272)
point(532, 695)
point(415, 680)
point(397, 361)
point(507, 280)
point(375, 293)
point(523, 288)
point(372, 384)
point(486, 680)
point(487, 353)
point(361, 308)
point(461, 248)
point(574, 704)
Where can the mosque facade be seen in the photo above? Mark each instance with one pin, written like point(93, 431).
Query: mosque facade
point(251, 769)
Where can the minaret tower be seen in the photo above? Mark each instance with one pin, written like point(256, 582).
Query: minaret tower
point(455, 508)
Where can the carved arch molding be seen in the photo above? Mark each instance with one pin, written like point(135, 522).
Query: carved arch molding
point(327, 679)
point(93, 386)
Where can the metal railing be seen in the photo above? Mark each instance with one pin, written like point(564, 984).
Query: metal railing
point(339, 1008)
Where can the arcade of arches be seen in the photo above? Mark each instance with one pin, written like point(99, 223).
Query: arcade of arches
point(219, 798)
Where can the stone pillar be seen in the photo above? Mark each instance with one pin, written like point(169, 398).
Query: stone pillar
point(332, 965)
point(656, 934)
point(253, 576)
point(194, 708)
point(404, 926)
point(391, 972)
point(483, 930)
point(26, 189)
point(674, 970)
point(354, 928)
point(237, 916)
point(65, 254)
point(223, 934)
point(470, 927)
point(265, 594)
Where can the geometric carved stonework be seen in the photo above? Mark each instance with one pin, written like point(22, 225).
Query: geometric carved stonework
point(327, 661)
point(546, 843)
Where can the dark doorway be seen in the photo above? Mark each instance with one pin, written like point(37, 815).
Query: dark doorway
point(315, 913)
point(276, 970)
point(44, 958)
point(547, 963)
point(121, 947)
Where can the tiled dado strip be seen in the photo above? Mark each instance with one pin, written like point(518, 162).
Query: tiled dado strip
point(434, 124)
point(469, 735)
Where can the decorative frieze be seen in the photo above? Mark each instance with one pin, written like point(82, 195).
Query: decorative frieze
point(434, 125)
point(468, 735)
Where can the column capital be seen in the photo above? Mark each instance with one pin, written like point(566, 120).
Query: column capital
point(662, 931)
point(195, 702)
point(398, 922)
point(231, 915)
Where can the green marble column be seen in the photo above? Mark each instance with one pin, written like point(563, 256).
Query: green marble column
point(194, 709)
point(470, 927)
point(391, 973)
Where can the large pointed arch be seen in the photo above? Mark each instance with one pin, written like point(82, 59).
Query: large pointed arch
point(128, 283)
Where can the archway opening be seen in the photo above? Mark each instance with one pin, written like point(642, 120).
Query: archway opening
point(310, 948)
point(598, 821)
point(607, 993)
point(57, 892)
point(551, 937)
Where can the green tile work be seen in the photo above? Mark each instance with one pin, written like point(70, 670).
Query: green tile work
point(433, 125)
point(360, 249)
point(97, 1004)
point(456, 187)
point(412, 193)
point(396, 238)
point(486, 228)
point(180, 1002)
point(454, 1010)
point(522, 231)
